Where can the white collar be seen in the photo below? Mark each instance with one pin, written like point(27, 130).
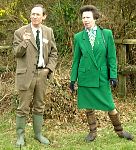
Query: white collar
point(35, 29)
point(93, 28)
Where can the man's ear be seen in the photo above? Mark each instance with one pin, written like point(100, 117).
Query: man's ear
point(44, 17)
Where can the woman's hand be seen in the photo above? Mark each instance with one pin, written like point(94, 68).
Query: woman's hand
point(113, 82)
point(72, 86)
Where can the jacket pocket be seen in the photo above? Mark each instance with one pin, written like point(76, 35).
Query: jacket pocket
point(21, 71)
point(89, 78)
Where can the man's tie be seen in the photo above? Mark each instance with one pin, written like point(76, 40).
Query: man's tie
point(38, 40)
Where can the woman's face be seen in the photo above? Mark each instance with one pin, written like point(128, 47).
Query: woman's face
point(88, 20)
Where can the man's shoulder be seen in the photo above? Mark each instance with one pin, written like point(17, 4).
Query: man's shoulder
point(22, 28)
point(46, 27)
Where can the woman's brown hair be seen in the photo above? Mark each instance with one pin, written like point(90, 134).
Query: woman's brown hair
point(91, 8)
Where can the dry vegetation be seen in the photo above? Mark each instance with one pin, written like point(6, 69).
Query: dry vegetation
point(60, 104)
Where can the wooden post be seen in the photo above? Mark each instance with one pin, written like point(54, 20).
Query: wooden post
point(121, 77)
point(123, 68)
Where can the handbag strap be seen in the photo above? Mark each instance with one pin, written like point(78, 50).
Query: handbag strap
point(103, 36)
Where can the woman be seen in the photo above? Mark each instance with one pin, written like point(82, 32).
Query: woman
point(95, 68)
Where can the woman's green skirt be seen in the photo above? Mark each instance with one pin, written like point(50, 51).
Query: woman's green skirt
point(99, 98)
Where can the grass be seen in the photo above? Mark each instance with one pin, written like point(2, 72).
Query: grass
point(66, 136)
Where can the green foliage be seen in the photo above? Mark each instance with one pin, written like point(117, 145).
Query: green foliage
point(63, 14)
point(24, 20)
point(64, 18)
point(2, 13)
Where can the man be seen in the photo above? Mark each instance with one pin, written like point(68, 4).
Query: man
point(36, 55)
point(95, 68)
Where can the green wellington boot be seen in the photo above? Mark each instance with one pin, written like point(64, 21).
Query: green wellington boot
point(20, 130)
point(37, 126)
point(118, 128)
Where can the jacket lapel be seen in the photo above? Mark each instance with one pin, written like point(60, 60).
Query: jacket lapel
point(97, 39)
point(32, 39)
point(88, 46)
point(44, 36)
point(45, 44)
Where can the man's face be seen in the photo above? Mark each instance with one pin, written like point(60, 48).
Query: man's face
point(88, 20)
point(37, 16)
